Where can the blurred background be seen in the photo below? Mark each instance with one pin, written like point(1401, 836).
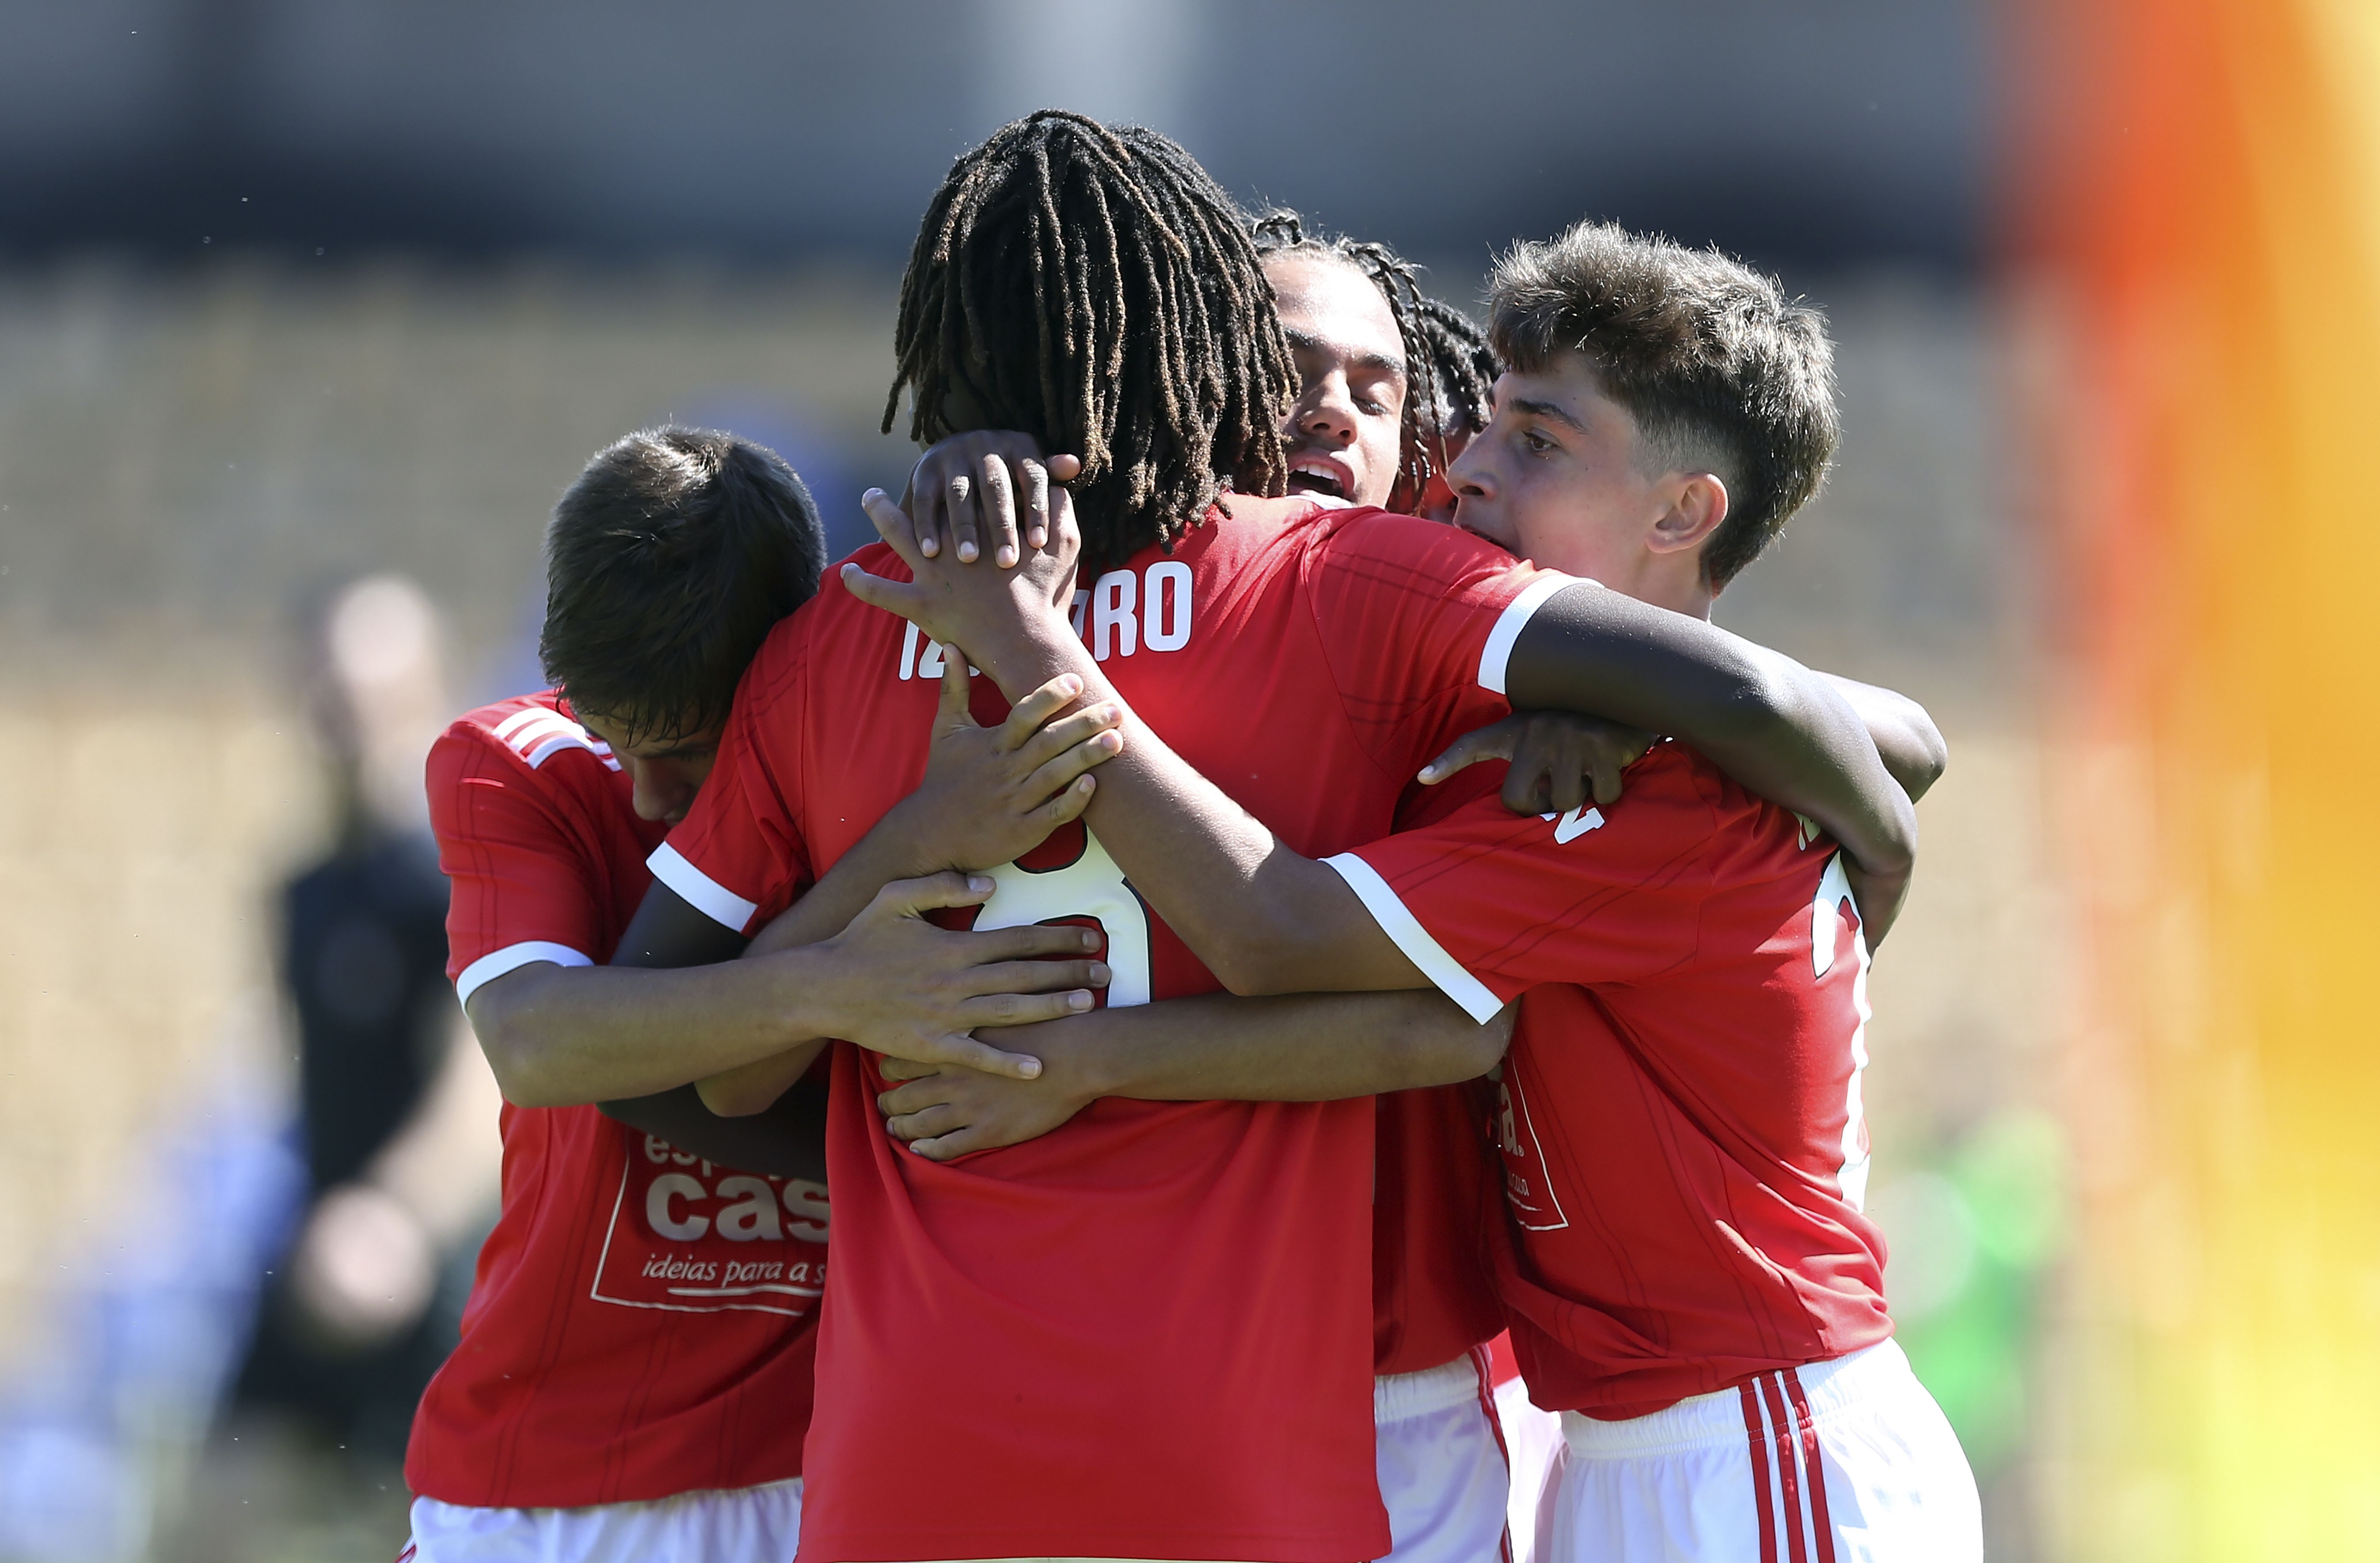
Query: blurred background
point(309, 312)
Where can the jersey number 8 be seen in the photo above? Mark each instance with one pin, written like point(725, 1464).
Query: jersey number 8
point(1087, 886)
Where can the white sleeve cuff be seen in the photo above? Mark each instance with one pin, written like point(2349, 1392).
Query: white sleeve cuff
point(1476, 997)
point(1516, 616)
point(512, 958)
point(699, 890)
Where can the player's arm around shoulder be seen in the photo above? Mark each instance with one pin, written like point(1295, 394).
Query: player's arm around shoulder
point(1911, 747)
point(1560, 760)
point(1782, 730)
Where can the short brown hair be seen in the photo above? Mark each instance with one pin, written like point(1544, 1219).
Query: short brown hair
point(1721, 370)
point(667, 564)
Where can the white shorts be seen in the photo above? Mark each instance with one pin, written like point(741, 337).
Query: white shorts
point(1841, 1462)
point(1441, 1464)
point(1532, 1438)
point(738, 1525)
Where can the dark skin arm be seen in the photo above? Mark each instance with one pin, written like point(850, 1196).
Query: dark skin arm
point(977, 483)
point(989, 794)
point(1911, 747)
point(1267, 920)
point(1560, 760)
point(1304, 1047)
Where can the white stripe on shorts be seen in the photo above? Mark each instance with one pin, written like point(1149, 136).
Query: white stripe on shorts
point(1832, 1461)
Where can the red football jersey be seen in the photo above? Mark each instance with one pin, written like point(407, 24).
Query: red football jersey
point(1435, 1199)
point(1684, 1154)
point(1143, 1335)
point(642, 1322)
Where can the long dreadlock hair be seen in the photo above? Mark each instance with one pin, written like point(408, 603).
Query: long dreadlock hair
point(1094, 287)
point(1451, 368)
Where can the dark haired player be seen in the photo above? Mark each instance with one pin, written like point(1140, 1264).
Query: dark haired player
point(1359, 327)
point(1390, 382)
point(1684, 1154)
point(633, 1374)
point(1146, 1336)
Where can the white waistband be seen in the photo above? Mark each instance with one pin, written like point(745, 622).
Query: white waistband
point(1717, 1419)
point(1397, 1396)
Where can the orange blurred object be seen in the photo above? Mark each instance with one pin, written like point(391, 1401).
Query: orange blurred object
point(2195, 265)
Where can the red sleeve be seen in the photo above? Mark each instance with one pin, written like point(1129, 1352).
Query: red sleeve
point(1417, 620)
point(1489, 904)
point(738, 856)
point(521, 888)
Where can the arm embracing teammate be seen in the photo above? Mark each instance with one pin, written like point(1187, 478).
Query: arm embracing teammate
point(635, 1366)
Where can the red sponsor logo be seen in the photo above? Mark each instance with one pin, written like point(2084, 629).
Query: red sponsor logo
point(693, 1237)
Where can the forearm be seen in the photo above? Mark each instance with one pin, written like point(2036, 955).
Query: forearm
point(726, 1095)
point(1774, 725)
point(788, 1140)
point(891, 850)
point(1264, 918)
point(1911, 747)
point(884, 855)
point(746, 1029)
point(1299, 1047)
point(558, 1036)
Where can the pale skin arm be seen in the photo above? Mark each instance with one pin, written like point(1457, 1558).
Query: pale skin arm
point(601, 1033)
point(1304, 1047)
point(853, 958)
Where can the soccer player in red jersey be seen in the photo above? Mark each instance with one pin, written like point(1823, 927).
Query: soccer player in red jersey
point(1390, 381)
point(1387, 379)
point(1683, 1153)
point(634, 1374)
point(1392, 384)
point(1147, 1336)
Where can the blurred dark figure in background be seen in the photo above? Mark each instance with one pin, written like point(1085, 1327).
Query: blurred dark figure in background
point(397, 1111)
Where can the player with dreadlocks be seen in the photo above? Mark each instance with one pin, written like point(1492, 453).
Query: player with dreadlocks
point(1394, 380)
point(1145, 1335)
point(1391, 385)
point(1014, 311)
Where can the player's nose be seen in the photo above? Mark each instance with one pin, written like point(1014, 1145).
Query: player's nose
point(1470, 476)
point(1329, 412)
point(656, 795)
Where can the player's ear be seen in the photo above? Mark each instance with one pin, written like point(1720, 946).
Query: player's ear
point(1697, 506)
